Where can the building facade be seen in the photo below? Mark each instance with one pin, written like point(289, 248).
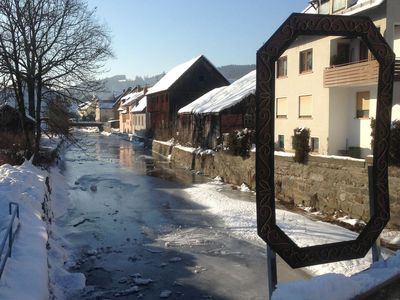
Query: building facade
point(329, 84)
point(180, 86)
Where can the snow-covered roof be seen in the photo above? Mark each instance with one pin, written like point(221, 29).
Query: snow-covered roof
point(130, 98)
point(172, 76)
point(141, 106)
point(224, 97)
point(357, 7)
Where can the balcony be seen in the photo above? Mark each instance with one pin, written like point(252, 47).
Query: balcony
point(397, 70)
point(352, 74)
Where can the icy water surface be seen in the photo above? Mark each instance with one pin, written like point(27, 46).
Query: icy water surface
point(136, 234)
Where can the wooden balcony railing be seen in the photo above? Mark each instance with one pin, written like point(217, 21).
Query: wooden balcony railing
point(351, 74)
point(397, 70)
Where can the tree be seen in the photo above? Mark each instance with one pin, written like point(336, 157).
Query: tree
point(50, 46)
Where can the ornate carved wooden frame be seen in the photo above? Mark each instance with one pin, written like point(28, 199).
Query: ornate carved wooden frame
point(267, 55)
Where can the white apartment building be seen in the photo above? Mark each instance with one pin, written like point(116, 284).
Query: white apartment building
point(329, 84)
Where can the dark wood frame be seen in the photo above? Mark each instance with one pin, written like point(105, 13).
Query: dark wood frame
point(315, 25)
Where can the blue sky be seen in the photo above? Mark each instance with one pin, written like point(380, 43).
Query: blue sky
point(152, 36)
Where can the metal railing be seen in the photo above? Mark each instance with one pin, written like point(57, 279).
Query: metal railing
point(9, 235)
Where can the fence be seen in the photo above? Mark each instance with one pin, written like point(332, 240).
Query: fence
point(9, 235)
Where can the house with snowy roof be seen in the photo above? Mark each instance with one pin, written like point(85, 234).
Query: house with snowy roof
point(329, 84)
point(179, 87)
point(127, 115)
point(140, 117)
point(218, 112)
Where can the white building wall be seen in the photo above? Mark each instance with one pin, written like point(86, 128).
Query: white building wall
point(345, 129)
point(296, 85)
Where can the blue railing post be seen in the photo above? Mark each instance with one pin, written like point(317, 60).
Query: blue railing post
point(8, 235)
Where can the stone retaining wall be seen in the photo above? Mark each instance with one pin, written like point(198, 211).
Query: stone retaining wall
point(327, 184)
point(161, 148)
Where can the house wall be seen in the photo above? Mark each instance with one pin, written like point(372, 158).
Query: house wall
point(393, 18)
point(104, 114)
point(295, 85)
point(204, 129)
point(333, 120)
point(139, 123)
point(345, 130)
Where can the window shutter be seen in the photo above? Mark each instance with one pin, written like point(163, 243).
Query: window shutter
point(305, 106)
point(281, 107)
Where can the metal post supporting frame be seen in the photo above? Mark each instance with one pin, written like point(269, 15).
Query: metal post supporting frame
point(271, 271)
point(376, 247)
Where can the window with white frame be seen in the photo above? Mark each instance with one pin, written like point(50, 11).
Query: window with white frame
point(281, 67)
point(306, 61)
point(281, 141)
point(338, 5)
point(363, 101)
point(314, 144)
point(305, 106)
point(325, 7)
point(281, 107)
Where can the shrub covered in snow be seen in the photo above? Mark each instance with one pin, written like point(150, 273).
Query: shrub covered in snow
point(301, 144)
point(239, 142)
point(394, 150)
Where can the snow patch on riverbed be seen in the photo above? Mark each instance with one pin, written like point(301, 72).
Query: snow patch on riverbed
point(240, 219)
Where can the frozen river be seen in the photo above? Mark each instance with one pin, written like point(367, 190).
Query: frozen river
point(136, 234)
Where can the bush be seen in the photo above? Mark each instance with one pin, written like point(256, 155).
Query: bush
point(373, 122)
point(12, 147)
point(301, 144)
point(394, 151)
point(239, 142)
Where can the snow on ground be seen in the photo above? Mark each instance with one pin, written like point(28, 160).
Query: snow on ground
point(338, 286)
point(63, 284)
point(186, 149)
point(240, 218)
point(24, 277)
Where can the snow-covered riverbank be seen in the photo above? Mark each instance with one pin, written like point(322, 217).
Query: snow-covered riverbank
point(240, 219)
point(35, 269)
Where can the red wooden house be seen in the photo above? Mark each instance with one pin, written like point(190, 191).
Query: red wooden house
point(180, 86)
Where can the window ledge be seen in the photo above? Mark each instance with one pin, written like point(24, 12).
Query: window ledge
point(305, 117)
point(281, 117)
point(282, 77)
point(306, 72)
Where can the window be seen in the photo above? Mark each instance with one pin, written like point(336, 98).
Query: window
point(248, 121)
point(363, 51)
point(306, 61)
point(281, 141)
point(314, 144)
point(305, 106)
point(338, 5)
point(362, 105)
point(281, 66)
point(281, 107)
point(324, 9)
